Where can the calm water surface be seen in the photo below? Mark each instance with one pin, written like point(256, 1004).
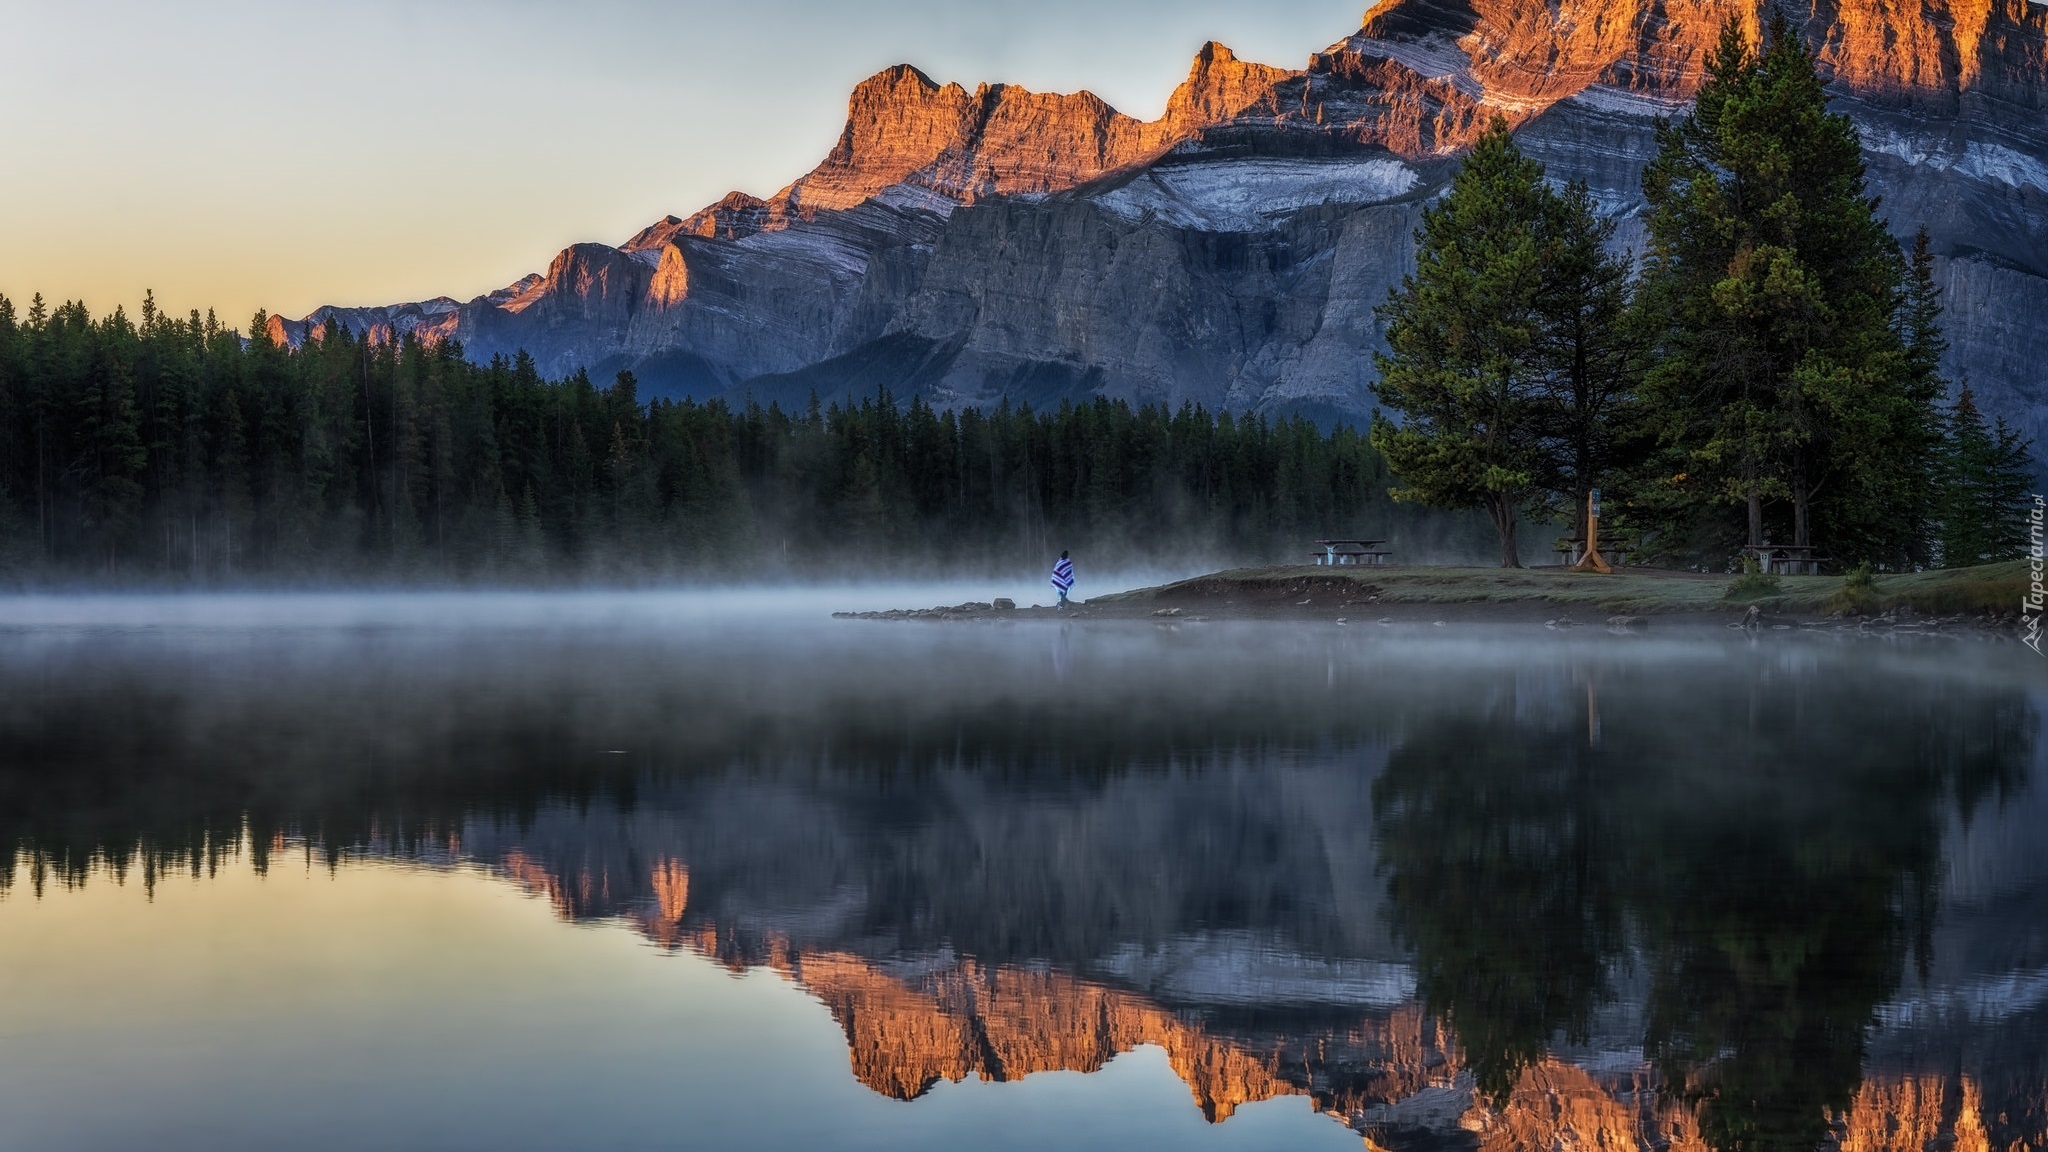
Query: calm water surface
point(718, 871)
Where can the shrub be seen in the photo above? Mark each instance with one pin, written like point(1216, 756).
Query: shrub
point(1752, 584)
point(1858, 594)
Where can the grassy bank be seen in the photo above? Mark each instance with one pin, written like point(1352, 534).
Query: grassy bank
point(1992, 588)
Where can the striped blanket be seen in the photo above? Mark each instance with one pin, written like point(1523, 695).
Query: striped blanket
point(1063, 574)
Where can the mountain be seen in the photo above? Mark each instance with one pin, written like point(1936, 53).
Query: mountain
point(1000, 243)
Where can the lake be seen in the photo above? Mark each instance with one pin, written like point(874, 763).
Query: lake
point(715, 870)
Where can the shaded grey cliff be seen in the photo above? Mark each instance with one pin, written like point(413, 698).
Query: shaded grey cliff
point(1000, 244)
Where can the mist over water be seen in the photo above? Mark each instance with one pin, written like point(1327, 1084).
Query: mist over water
point(526, 610)
point(545, 870)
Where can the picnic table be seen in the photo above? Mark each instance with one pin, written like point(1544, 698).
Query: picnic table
point(1333, 552)
point(1786, 559)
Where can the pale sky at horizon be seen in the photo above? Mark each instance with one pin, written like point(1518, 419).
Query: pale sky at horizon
point(233, 154)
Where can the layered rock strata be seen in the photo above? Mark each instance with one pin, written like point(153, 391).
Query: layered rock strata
point(972, 246)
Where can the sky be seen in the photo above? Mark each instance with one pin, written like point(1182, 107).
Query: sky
point(235, 155)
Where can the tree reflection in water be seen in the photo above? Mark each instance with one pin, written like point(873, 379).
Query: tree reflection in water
point(1764, 851)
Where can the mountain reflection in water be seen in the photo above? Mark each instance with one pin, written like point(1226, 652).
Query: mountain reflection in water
point(1517, 891)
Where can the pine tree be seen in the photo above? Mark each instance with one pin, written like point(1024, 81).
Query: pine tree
point(1986, 477)
point(1924, 441)
point(1775, 286)
point(17, 549)
point(232, 464)
point(112, 458)
point(532, 550)
point(1466, 366)
point(1592, 361)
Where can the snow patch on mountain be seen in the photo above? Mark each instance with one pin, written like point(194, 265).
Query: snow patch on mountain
point(916, 198)
point(1614, 101)
point(813, 245)
point(1241, 968)
point(1248, 195)
point(1989, 162)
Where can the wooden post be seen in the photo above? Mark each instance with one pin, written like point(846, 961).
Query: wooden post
point(1592, 560)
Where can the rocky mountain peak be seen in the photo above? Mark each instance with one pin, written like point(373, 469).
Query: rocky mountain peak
point(1220, 88)
point(588, 282)
point(734, 215)
point(656, 234)
point(902, 127)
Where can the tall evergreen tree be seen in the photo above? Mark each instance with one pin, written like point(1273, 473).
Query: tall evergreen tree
point(1780, 376)
point(1466, 365)
point(110, 458)
point(1589, 408)
point(1986, 477)
point(1923, 436)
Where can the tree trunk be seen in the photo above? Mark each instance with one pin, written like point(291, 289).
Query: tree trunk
point(1502, 510)
point(1802, 521)
point(1756, 515)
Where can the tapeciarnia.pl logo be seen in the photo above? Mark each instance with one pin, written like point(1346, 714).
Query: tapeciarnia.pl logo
point(2037, 596)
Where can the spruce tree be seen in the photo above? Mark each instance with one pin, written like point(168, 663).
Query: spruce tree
point(1465, 368)
point(1923, 443)
point(1986, 477)
point(16, 550)
point(1775, 287)
point(110, 456)
point(1591, 359)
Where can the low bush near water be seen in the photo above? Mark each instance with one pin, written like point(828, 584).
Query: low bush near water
point(1753, 584)
point(1858, 595)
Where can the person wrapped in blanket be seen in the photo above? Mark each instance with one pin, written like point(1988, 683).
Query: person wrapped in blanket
point(1063, 577)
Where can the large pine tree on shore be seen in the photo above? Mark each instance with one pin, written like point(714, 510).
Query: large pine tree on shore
point(1463, 371)
point(1782, 381)
point(1591, 354)
point(1512, 358)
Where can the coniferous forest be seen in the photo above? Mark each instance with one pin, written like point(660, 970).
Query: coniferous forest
point(175, 449)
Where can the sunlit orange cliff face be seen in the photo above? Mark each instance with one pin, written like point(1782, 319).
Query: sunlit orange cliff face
point(911, 1025)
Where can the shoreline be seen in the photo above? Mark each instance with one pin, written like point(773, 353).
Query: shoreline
point(1983, 599)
